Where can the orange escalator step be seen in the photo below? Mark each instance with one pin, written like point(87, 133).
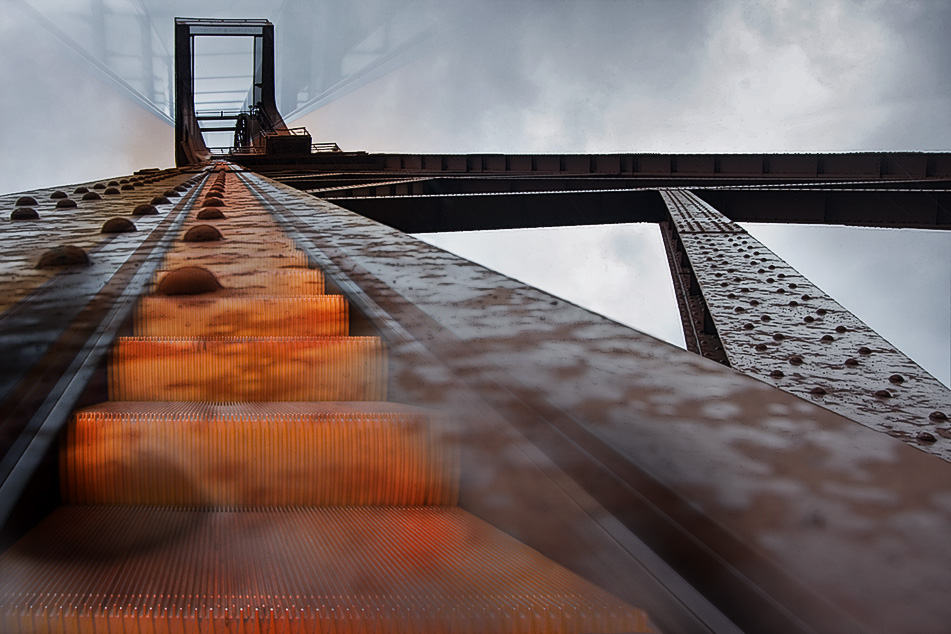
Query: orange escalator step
point(364, 569)
point(199, 316)
point(248, 455)
point(228, 369)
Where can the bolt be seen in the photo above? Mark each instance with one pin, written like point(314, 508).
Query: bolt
point(63, 256)
point(144, 210)
point(118, 225)
point(210, 213)
point(24, 213)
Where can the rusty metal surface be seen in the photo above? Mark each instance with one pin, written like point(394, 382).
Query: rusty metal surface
point(832, 526)
point(777, 326)
point(64, 320)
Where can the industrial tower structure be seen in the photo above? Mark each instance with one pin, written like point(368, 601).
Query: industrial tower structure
point(269, 407)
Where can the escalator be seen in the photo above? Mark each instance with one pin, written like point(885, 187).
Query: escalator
point(248, 474)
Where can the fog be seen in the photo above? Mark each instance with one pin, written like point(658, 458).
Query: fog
point(89, 94)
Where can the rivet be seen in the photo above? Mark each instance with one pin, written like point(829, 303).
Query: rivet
point(127, 187)
point(63, 256)
point(26, 201)
point(780, 290)
point(938, 416)
point(91, 196)
point(118, 225)
point(779, 336)
point(188, 280)
point(123, 181)
point(865, 350)
point(781, 275)
point(851, 362)
point(739, 309)
point(760, 270)
point(81, 190)
point(180, 188)
point(771, 267)
point(827, 339)
point(821, 311)
point(113, 183)
point(808, 319)
point(731, 295)
point(926, 436)
point(718, 275)
point(210, 213)
point(818, 391)
point(24, 213)
point(777, 374)
point(724, 284)
point(748, 326)
point(796, 359)
point(58, 194)
point(761, 347)
point(793, 302)
point(744, 290)
point(160, 200)
point(65, 203)
point(214, 202)
point(171, 193)
point(754, 302)
point(805, 298)
point(737, 279)
point(202, 233)
point(765, 318)
point(793, 285)
point(144, 210)
point(99, 186)
point(841, 329)
point(883, 394)
point(731, 270)
point(770, 279)
point(111, 191)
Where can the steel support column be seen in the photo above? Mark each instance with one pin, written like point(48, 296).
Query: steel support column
point(777, 326)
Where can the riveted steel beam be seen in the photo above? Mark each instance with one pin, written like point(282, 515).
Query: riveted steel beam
point(777, 326)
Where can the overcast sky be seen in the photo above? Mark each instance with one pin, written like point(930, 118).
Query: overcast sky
point(578, 76)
